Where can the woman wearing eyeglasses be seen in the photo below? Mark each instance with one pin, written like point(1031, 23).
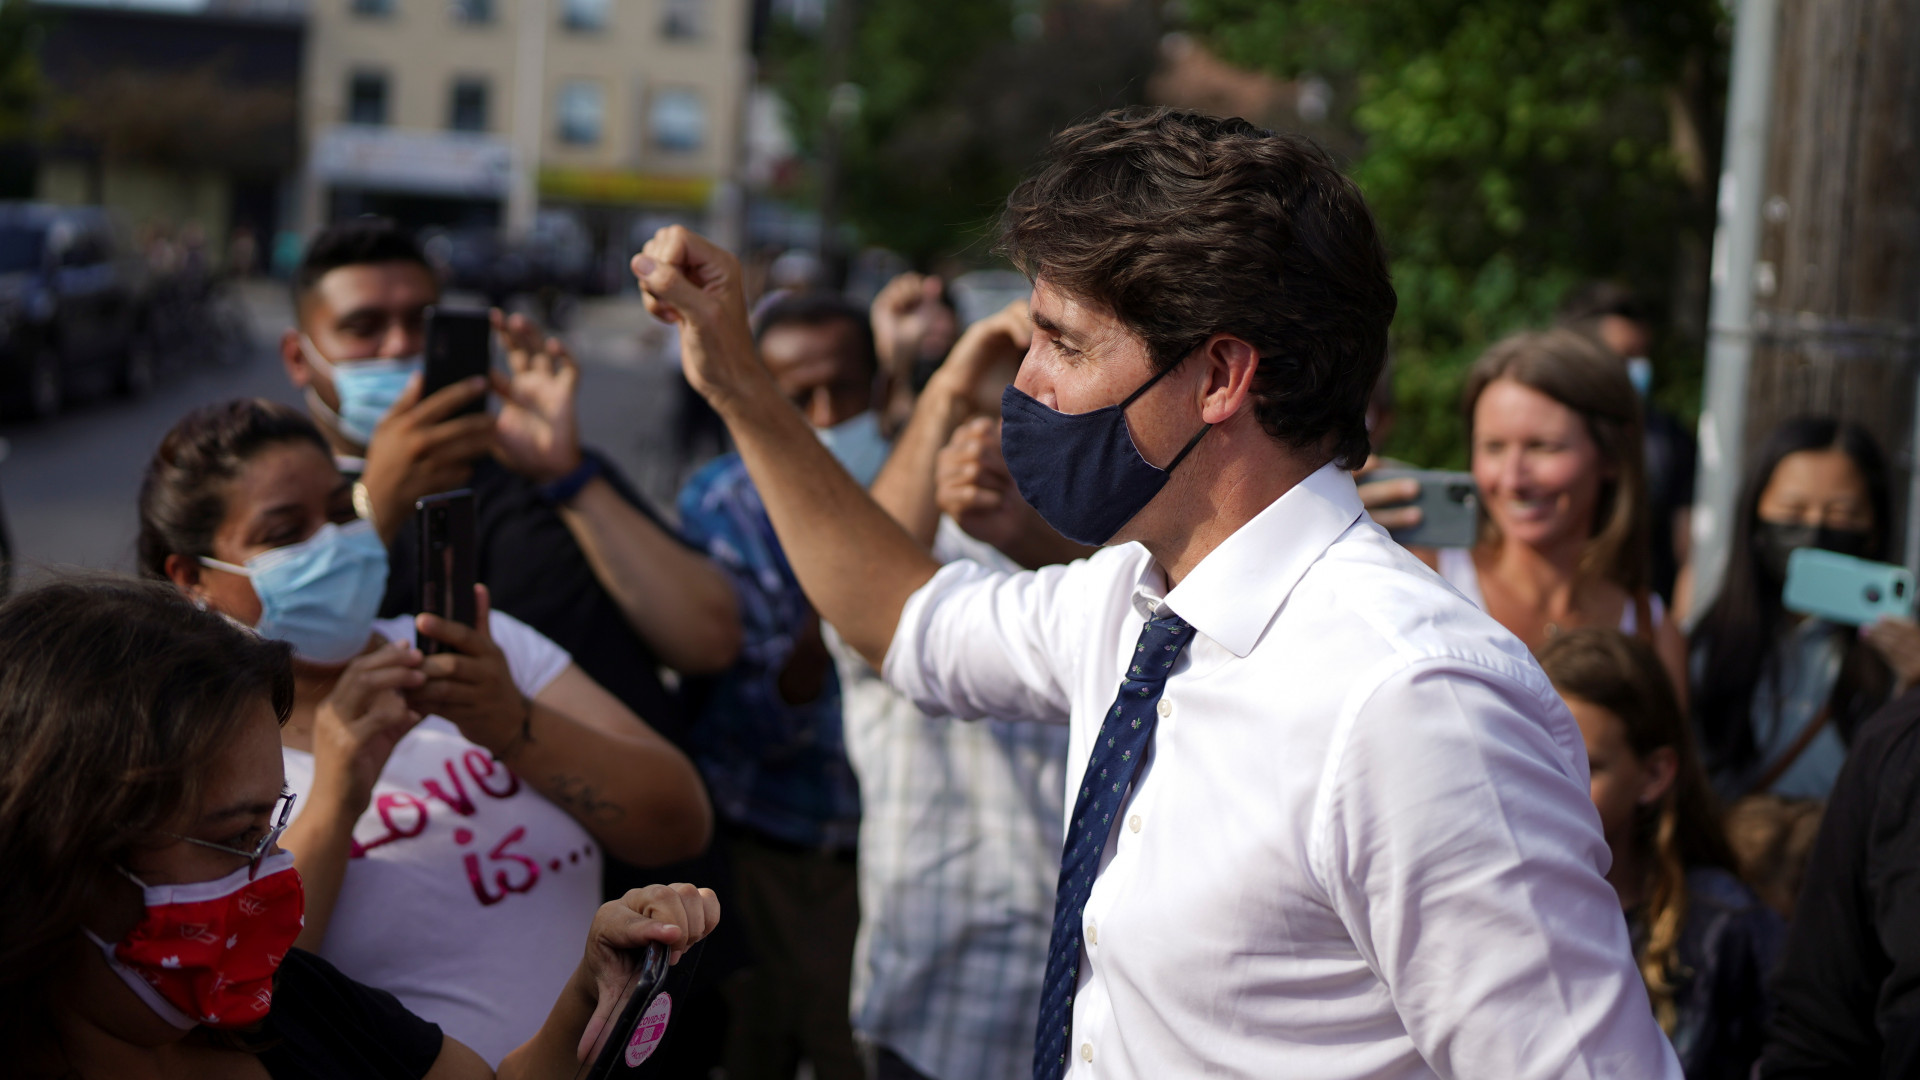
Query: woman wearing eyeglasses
point(452, 809)
point(147, 916)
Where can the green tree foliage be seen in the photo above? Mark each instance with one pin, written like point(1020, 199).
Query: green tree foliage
point(20, 86)
point(955, 101)
point(1512, 149)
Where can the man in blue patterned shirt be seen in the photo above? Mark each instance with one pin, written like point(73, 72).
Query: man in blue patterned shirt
point(769, 737)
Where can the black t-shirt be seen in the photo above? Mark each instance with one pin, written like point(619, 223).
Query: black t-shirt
point(1847, 991)
point(536, 572)
point(325, 1026)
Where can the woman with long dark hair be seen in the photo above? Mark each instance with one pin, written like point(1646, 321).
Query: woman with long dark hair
point(1703, 941)
point(1778, 696)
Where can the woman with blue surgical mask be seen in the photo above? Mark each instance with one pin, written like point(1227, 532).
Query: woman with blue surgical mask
point(451, 810)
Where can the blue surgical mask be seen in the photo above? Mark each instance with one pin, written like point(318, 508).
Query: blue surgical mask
point(321, 594)
point(858, 445)
point(1081, 471)
point(1640, 374)
point(367, 389)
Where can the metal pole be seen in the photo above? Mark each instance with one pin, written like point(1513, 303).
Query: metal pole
point(1736, 248)
point(529, 117)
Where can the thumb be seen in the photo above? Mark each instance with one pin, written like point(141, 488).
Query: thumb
point(483, 610)
point(664, 281)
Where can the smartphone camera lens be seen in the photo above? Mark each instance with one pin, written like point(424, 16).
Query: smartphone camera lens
point(1899, 590)
point(1873, 594)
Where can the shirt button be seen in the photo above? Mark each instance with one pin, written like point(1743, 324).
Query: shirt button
point(1134, 823)
point(1093, 934)
point(1166, 707)
point(1086, 1052)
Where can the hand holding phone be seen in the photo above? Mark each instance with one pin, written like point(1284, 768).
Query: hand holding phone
point(1449, 505)
point(642, 1015)
point(1844, 589)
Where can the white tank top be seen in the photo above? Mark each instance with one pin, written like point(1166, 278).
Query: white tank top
point(1456, 566)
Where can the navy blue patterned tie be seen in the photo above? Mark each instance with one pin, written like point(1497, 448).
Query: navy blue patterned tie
point(1117, 752)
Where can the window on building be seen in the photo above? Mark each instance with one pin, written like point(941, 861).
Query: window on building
point(473, 11)
point(585, 14)
point(467, 105)
point(373, 7)
point(367, 98)
point(678, 120)
point(682, 18)
point(583, 112)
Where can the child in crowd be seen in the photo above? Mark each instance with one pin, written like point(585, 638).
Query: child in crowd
point(1703, 941)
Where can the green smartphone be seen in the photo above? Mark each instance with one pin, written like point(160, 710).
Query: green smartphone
point(1843, 589)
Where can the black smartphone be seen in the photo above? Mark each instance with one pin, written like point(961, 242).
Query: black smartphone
point(459, 346)
point(446, 559)
point(641, 1017)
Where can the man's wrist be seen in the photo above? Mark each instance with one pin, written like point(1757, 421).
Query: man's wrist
point(562, 489)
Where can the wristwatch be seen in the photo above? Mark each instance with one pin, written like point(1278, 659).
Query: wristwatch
point(362, 502)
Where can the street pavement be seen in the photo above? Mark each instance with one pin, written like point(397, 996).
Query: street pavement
point(70, 485)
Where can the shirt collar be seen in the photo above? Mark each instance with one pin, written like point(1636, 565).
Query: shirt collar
point(1236, 590)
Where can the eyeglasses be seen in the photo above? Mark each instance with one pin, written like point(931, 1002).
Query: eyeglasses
point(260, 850)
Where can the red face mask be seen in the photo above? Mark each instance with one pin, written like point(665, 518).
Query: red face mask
point(206, 951)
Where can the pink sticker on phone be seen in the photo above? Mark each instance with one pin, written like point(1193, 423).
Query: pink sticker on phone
point(649, 1031)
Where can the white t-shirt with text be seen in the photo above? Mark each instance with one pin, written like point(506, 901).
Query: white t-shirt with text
point(468, 894)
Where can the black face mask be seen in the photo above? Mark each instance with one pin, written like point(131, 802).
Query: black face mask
point(1774, 541)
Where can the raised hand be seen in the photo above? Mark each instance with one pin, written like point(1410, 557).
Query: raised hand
point(986, 358)
point(473, 687)
point(537, 433)
point(421, 447)
point(358, 724)
point(973, 487)
point(689, 280)
point(903, 314)
point(676, 916)
point(1388, 501)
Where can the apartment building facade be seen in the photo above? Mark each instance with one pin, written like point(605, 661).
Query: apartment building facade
point(486, 112)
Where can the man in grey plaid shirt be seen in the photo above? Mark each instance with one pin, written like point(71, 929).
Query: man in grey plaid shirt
point(960, 826)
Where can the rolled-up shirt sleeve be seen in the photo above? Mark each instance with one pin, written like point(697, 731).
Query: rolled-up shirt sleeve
point(974, 642)
point(1459, 846)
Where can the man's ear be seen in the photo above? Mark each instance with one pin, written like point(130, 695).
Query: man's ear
point(299, 371)
point(1232, 362)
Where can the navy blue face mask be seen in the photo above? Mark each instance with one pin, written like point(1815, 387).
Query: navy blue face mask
point(1081, 471)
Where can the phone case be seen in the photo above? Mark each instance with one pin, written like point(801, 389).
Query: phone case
point(459, 346)
point(1843, 589)
point(447, 559)
point(1449, 508)
point(628, 1047)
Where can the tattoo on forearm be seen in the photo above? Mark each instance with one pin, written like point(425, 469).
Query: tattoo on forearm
point(578, 797)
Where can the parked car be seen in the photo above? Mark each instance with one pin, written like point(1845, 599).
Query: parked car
point(71, 309)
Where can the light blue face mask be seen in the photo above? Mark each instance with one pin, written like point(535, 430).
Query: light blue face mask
point(367, 389)
point(858, 445)
point(1640, 374)
point(321, 594)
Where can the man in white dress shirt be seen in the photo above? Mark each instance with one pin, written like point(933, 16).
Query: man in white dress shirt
point(1342, 828)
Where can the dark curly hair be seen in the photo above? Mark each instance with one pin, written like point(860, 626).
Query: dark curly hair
point(1185, 225)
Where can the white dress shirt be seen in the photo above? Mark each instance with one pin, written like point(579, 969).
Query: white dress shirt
point(1361, 844)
